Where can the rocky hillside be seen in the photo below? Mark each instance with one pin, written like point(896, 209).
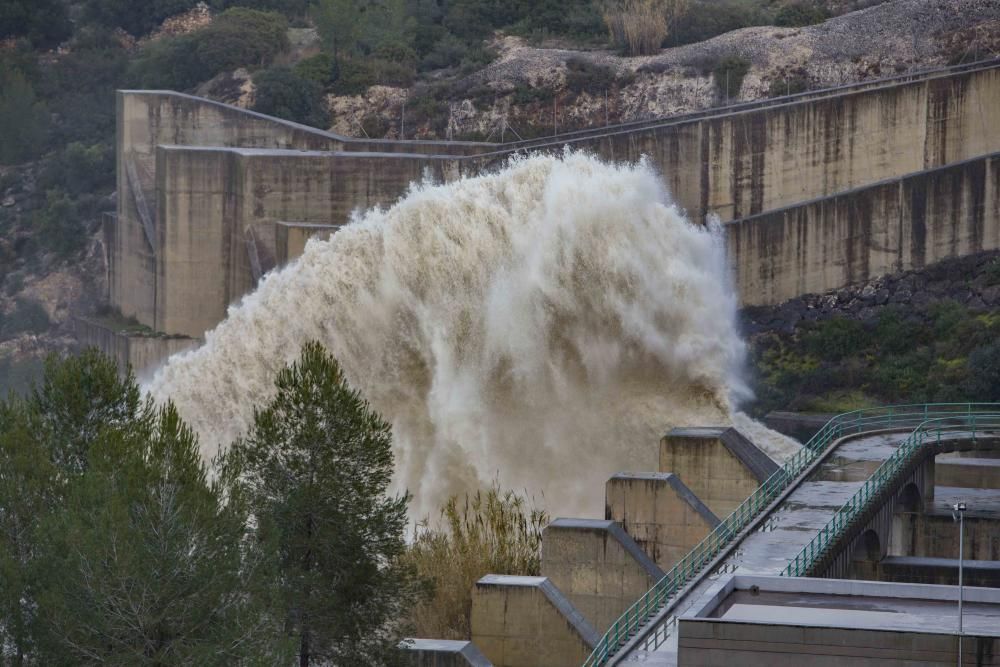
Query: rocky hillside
point(525, 86)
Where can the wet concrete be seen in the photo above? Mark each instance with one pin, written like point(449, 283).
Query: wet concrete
point(796, 521)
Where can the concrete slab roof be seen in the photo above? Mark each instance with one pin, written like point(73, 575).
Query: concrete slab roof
point(854, 604)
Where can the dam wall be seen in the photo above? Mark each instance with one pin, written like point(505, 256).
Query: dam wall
point(203, 186)
point(895, 225)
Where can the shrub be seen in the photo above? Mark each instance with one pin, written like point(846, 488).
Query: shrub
point(800, 14)
point(60, 223)
point(356, 75)
point(24, 121)
point(709, 18)
point(27, 317)
point(282, 93)
point(170, 63)
point(789, 85)
point(81, 169)
point(136, 18)
point(728, 75)
point(449, 51)
point(835, 338)
point(44, 23)
point(488, 533)
point(984, 373)
point(582, 76)
point(321, 68)
point(242, 37)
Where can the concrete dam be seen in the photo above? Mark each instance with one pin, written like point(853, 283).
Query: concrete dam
point(817, 190)
point(425, 300)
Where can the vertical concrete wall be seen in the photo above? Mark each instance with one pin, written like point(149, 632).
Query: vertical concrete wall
point(140, 352)
point(716, 469)
point(441, 653)
point(658, 511)
point(597, 566)
point(891, 226)
point(736, 164)
point(527, 622)
point(713, 643)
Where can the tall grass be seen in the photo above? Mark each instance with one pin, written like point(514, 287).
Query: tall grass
point(639, 27)
point(490, 532)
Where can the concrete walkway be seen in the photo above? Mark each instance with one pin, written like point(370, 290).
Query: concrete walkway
point(785, 530)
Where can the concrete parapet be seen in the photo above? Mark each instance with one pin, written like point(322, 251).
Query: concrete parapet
point(659, 512)
point(967, 472)
point(597, 566)
point(442, 653)
point(527, 622)
point(143, 352)
point(940, 571)
point(718, 464)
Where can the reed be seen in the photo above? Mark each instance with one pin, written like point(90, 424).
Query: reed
point(639, 27)
point(490, 532)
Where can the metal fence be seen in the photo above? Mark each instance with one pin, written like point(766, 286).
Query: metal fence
point(636, 619)
point(926, 434)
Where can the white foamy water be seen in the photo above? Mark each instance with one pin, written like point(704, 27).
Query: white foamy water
point(545, 324)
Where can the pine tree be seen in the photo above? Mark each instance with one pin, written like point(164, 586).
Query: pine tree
point(314, 471)
point(144, 566)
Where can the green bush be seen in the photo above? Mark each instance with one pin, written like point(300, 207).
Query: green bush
point(800, 14)
point(790, 85)
point(728, 75)
point(171, 64)
point(321, 68)
point(24, 121)
point(27, 317)
point(706, 19)
point(582, 76)
point(282, 93)
point(60, 223)
point(356, 75)
point(984, 373)
point(135, 17)
point(81, 169)
point(449, 51)
point(237, 38)
point(45, 23)
point(241, 38)
point(835, 338)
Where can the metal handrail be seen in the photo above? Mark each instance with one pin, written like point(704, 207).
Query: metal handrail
point(639, 614)
point(866, 497)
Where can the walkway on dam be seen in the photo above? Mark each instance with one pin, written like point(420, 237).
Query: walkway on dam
point(778, 536)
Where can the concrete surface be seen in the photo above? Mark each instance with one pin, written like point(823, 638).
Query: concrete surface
point(597, 566)
point(528, 622)
point(795, 621)
point(718, 465)
point(442, 653)
point(659, 512)
point(142, 352)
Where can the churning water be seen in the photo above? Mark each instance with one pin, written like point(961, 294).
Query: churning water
point(544, 324)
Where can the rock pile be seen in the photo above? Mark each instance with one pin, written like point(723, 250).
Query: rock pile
point(972, 281)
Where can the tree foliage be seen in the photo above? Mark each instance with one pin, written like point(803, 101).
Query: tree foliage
point(283, 93)
point(314, 471)
point(24, 120)
point(44, 23)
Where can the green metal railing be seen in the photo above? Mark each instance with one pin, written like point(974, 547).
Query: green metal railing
point(926, 434)
point(637, 617)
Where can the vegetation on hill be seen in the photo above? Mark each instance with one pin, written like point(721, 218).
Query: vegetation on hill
point(942, 345)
